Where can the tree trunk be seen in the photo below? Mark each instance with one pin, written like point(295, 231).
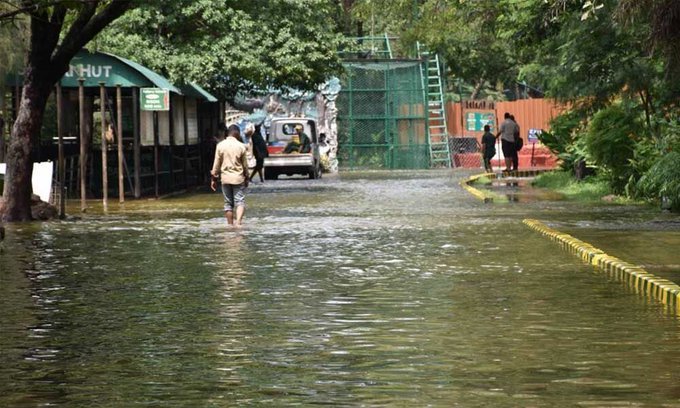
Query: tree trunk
point(48, 58)
point(26, 129)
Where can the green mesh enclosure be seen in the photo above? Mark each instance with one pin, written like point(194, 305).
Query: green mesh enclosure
point(382, 116)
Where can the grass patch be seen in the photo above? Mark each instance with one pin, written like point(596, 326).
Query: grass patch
point(590, 189)
point(482, 181)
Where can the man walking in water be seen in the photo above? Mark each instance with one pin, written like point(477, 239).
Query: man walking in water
point(231, 168)
point(507, 132)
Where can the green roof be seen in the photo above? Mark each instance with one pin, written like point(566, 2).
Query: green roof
point(158, 80)
point(96, 67)
point(195, 90)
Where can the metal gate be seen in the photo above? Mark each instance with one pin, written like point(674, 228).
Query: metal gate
point(382, 116)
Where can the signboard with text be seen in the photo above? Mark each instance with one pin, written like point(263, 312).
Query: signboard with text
point(475, 121)
point(533, 135)
point(154, 99)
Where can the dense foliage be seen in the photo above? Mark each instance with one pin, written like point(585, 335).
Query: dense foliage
point(228, 45)
point(616, 63)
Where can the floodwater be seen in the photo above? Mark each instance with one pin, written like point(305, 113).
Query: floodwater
point(368, 289)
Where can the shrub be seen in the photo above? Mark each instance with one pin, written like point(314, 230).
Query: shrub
point(610, 142)
point(564, 139)
point(662, 181)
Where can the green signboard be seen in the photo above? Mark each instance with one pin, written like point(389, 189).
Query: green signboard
point(475, 121)
point(154, 99)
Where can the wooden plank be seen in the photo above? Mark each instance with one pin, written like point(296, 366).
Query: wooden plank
point(171, 138)
point(119, 134)
point(186, 145)
point(105, 171)
point(156, 163)
point(83, 145)
point(137, 151)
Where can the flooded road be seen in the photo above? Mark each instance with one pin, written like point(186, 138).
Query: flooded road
point(368, 289)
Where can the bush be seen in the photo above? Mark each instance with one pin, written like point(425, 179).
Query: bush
point(564, 139)
point(610, 142)
point(662, 181)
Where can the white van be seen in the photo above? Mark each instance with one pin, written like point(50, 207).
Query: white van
point(281, 133)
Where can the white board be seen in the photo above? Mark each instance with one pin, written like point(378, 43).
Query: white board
point(41, 180)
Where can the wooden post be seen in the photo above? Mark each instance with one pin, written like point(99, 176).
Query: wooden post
point(171, 136)
point(155, 154)
point(201, 147)
point(186, 145)
point(135, 143)
point(61, 167)
point(83, 145)
point(105, 170)
point(119, 131)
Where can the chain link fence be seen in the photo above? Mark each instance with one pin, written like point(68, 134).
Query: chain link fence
point(382, 116)
point(466, 152)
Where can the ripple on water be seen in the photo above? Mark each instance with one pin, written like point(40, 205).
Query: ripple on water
point(355, 294)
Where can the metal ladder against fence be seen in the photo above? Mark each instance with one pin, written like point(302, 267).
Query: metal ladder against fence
point(438, 138)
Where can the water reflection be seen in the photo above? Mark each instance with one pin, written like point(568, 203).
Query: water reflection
point(387, 289)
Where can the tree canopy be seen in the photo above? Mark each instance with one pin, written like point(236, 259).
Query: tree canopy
point(229, 45)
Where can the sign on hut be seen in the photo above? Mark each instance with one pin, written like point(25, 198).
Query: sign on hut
point(155, 99)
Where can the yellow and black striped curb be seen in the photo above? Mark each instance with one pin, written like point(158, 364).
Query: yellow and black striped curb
point(487, 197)
point(479, 194)
point(525, 173)
point(638, 279)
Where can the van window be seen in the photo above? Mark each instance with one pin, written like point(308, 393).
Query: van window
point(283, 132)
point(289, 128)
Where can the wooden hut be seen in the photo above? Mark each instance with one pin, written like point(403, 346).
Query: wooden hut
point(112, 143)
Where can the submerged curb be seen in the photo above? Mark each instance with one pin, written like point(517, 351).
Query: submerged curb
point(487, 197)
point(634, 276)
point(479, 194)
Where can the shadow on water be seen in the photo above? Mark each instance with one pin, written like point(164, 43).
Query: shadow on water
point(369, 289)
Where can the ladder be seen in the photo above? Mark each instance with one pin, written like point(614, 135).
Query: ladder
point(438, 138)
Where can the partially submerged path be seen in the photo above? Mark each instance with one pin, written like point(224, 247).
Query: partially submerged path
point(368, 288)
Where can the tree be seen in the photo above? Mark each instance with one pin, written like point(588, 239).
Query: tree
point(470, 36)
point(226, 45)
point(57, 31)
point(229, 46)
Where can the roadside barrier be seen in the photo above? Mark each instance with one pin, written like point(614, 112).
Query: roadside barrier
point(487, 196)
point(479, 194)
point(641, 281)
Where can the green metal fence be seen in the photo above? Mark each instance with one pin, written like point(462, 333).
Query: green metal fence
point(382, 116)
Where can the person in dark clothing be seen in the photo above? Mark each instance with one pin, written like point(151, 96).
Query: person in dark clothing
point(488, 148)
point(259, 150)
point(300, 142)
point(507, 132)
point(515, 156)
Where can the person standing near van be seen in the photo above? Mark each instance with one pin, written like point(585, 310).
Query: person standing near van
point(259, 150)
point(231, 168)
point(507, 132)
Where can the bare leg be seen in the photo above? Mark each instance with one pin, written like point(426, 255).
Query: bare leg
point(230, 217)
point(508, 163)
point(240, 212)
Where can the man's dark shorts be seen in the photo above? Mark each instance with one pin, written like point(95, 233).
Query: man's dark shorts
point(509, 149)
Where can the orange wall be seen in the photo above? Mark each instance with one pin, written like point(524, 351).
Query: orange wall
point(529, 114)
